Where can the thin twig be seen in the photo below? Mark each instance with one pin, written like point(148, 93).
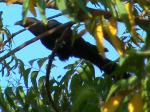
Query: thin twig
point(57, 15)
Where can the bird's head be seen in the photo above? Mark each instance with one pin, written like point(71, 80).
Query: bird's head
point(33, 25)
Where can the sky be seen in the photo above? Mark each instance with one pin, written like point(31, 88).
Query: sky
point(12, 14)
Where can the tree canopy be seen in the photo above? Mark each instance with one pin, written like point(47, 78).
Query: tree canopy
point(124, 85)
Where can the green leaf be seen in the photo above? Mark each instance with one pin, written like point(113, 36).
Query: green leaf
point(25, 9)
point(20, 95)
point(111, 7)
point(87, 71)
point(32, 99)
point(3, 103)
point(57, 93)
point(41, 61)
point(123, 13)
point(41, 4)
point(32, 61)
point(1, 20)
point(26, 76)
point(147, 45)
point(21, 67)
point(10, 96)
point(123, 84)
point(75, 85)
point(33, 79)
point(146, 93)
point(41, 82)
point(61, 4)
point(82, 5)
point(84, 95)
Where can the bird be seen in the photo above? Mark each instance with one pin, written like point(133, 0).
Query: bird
point(79, 48)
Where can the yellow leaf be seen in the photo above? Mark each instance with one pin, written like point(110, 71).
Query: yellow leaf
point(1, 43)
point(112, 32)
point(112, 27)
point(113, 103)
point(128, 7)
point(50, 4)
point(9, 2)
point(135, 36)
point(32, 7)
point(136, 104)
point(99, 38)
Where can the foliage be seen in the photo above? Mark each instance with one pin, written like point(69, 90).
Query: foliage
point(79, 89)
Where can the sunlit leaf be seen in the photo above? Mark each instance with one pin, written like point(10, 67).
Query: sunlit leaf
point(112, 32)
point(99, 38)
point(32, 7)
point(87, 72)
point(135, 36)
point(1, 43)
point(136, 104)
point(26, 4)
point(128, 7)
point(41, 4)
point(9, 2)
point(123, 13)
point(61, 4)
point(113, 103)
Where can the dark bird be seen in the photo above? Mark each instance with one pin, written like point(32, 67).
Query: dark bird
point(79, 48)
